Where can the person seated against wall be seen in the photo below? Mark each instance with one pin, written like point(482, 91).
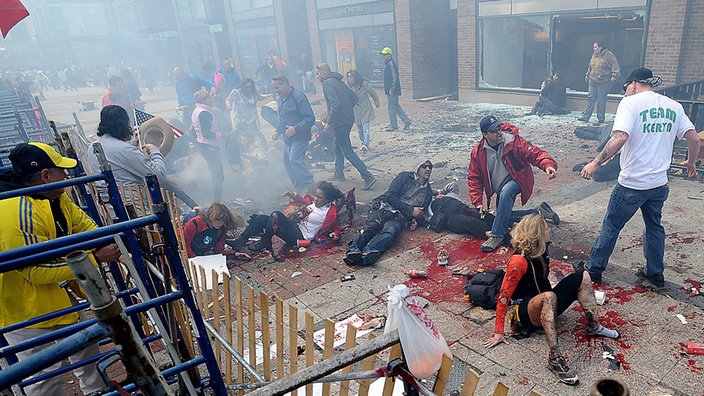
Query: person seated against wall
point(449, 212)
point(553, 97)
point(205, 233)
point(308, 218)
point(609, 170)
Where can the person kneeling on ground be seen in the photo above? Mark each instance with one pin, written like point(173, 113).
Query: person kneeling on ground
point(314, 217)
point(552, 99)
point(405, 202)
point(205, 234)
point(449, 212)
point(501, 163)
point(534, 302)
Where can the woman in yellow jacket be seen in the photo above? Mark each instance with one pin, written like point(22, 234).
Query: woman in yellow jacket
point(34, 290)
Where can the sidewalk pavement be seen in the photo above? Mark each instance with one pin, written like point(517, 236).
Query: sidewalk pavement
point(651, 351)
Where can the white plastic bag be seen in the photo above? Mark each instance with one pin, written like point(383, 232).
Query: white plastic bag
point(422, 343)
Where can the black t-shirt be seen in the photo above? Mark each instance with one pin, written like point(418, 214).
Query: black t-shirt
point(203, 243)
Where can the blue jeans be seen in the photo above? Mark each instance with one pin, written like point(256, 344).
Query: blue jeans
point(597, 95)
point(505, 215)
point(394, 110)
point(379, 232)
point(623, 204)
point(296, 167)
point(343, 149)
point(364, 133)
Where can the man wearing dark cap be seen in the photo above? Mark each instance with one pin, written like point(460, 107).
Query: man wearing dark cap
point(392, 88)
point(404, 203)
point(34, 290)
point(645, 128)
point(501, 163)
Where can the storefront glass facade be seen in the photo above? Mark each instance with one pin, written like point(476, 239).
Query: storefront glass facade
point(352, 35)
point(516, 51)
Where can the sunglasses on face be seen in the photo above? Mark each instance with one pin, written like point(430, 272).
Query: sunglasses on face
point(427, 166)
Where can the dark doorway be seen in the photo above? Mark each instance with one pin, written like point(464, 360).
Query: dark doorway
point(574, 35)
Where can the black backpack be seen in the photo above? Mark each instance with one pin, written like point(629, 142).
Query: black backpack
point(483, 287)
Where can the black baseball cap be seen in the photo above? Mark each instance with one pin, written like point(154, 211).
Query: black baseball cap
point(642, 75)
point(32, 157)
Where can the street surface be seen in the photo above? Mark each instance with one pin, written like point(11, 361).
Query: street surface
point(653, 344)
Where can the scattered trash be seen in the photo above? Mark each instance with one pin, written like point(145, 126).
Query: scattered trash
point(565, 257)
point(695, 291)
point(681, 318)
point(610, 355)
point(694, 348)
point(443, 256)
point(375, 323)
point(347, 278)
point(295, 274)
point(600, 297)
point(417, 274)
point(301, 249)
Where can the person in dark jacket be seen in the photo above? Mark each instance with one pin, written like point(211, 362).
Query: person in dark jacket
point(501, 162)
point(340, 100)
point(405, 202)
point(392, 88)
point(552, 97)
point(296, 118)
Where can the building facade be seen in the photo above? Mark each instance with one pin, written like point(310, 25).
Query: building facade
point(482, 50)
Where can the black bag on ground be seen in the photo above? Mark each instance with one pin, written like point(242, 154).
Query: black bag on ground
point(483, 287)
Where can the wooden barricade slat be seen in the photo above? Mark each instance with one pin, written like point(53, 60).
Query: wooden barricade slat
point(204, 293)
point(216, 317)
point(471, 381)
point(279, 339)
point(367, 364)
point(228, 325)
point(501, 390)
point(252, 327)
point(293, 341)
point(240, 327)
point(329, 348)
point(534, 393)
point(266, 337)
point(310, 347)
point(350, 342)
point(389, 383)
point(443, 375)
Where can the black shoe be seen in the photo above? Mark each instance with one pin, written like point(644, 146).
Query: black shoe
point(583, 119)
point(353, 257)
point(369, 183)
point(370, 257)
point(260, 245)
point(558, 365)
point(407, 126)
point(578, 167)
point(236, 244)
point(596, 276)
point(548, 213)
point(658, 280)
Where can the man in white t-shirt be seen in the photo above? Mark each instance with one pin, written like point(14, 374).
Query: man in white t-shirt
point(645, 129)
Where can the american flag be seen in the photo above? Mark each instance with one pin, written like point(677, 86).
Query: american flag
point(141, 117)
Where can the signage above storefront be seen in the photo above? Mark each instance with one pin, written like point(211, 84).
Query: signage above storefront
point(351, 10)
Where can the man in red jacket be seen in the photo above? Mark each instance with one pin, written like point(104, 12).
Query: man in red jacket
point(501, 163)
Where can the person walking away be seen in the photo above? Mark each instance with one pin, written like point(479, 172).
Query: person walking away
point(209, 139)
point(603, 70)
point(363, 111)
point(535, 303)
point(296, 119)
point(340, 100)
point(392, 88)
point(645, 128)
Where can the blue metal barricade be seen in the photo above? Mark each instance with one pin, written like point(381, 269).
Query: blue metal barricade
point(154, 298)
